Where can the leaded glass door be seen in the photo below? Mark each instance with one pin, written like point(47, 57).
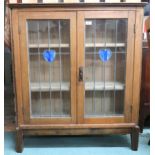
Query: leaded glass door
point(105, 63)
point(48, 66)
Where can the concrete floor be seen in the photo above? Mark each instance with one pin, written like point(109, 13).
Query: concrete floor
point(78, 145)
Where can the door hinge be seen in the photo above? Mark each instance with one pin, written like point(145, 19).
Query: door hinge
point(134, 29)
point(23, 110)
point(19, 29)
point(130, 108)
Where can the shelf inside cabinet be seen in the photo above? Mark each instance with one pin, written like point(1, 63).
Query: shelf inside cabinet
point(97, 86)
point(48, 45)
point(65, 86)
point(45, 86)
point(105, 45)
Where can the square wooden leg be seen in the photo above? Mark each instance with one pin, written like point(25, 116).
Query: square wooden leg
point(135, 138)
point(19, 140)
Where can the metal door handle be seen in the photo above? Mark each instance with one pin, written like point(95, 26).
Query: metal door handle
point(80, 73)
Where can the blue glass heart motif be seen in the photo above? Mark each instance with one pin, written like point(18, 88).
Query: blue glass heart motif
point(49, 55)
point(105, 54)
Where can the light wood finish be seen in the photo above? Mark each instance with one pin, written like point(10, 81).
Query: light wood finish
point(24, 56)
point(29, 1)
point(105, 15)
point(17, 66)
point(137, 65)
point(80, 63)
point(77, 124)
point(60, 132)
point(129, 72)
point(129, 69)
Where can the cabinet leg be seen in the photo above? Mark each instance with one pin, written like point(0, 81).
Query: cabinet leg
point(134, 138)
point(19, 140)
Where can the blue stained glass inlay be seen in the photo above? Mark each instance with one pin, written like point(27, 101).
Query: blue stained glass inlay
point(105, 54)
point(49, 55)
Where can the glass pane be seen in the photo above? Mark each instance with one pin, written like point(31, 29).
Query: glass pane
point(49, 67)
point(105, 63)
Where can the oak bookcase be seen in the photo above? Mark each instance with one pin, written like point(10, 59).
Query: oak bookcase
point(77, 69)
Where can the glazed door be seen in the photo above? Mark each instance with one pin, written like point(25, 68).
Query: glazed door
point(48, 57)
point(105, 66)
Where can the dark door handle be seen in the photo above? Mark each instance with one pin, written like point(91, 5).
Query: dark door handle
point(80, 73)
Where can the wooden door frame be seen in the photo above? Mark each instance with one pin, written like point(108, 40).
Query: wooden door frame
point(23, 16)
point(130, 15)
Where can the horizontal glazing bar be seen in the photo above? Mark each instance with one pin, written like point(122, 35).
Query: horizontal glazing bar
point(89, 53)
point(107, 45)
point(50, 45)
point(41, 53)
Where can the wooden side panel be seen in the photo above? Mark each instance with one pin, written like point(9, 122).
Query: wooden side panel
point(16, 65)
point(129, 66)
point(137, 65)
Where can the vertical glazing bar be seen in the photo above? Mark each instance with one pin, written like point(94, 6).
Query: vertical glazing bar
point(92, 71)
point(38, 35)
point(102, 78)
point(84, 67)
point(27, 32)
point(49, 40)
point(124, 57)
point(115, 63)
point(105, 32)
point(126, 31)
point(94, 27)
point(60, 66)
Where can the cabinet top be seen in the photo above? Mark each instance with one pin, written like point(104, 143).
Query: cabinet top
point(75, 5)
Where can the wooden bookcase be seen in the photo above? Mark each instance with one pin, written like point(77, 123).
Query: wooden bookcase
point(91, 83)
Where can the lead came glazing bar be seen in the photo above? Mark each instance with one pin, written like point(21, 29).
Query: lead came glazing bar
point(49, 40)
point(102, 78)
point(29, 67)
point(60, 66)
point(115, 62)
point(92, 57)
point(38, 35)
point(105, 31)
point(94, 27)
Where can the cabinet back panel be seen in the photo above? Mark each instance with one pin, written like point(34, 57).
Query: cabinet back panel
point(49, 104)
